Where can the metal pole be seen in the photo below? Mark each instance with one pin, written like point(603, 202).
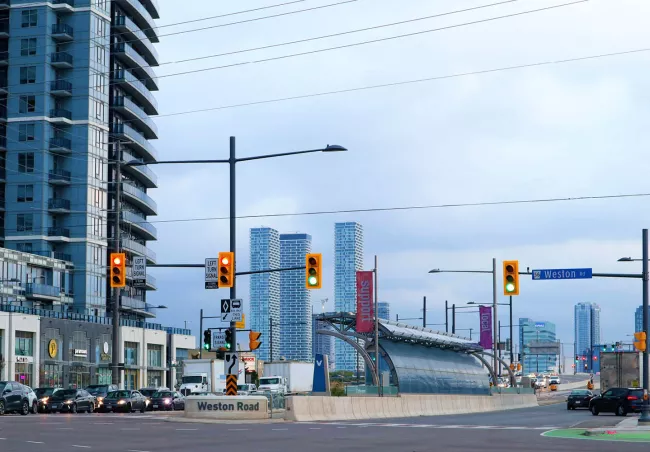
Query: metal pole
point(380, 383)
point(446, 317)
point(512, 356)
point(645, 408)
point(494, 312)
point(201, 332)
point(499, 347)
point(453, 318)
point(397, 318)
point(233, 233)
point(115, 361)
point(470, 333)
point(424, 312)
point(271, 338)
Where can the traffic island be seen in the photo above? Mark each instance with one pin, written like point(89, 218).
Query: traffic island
point(226, 408)
point(623, 435)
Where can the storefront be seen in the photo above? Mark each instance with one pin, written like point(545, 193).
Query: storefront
point(24, 361)
point(103, 358)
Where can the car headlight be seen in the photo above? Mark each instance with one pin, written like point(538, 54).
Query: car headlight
point(44, 399)
point(167, 401)
point(68, 402)
point(121, 402)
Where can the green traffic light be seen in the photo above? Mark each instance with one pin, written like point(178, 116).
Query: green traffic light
point(313, 281)
point(206, 346)
point(510, 287)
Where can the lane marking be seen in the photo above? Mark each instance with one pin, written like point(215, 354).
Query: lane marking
point(81, 447)
point(238, 429)
point(129, 428)
point(35, 442)
point(102, 423)
point(341, 427)
point(134, 450)
point(64, 428)
point(315, 428)
point(186, 429)
point(279, 429)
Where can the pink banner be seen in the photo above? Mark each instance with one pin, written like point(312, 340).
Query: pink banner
point(365, 303)
point(485, 313)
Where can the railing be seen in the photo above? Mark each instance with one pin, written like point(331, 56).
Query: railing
point(139, 7)
point(59, 174)
point(139, 221)
point(123, 47)
point(60, 85)
point(121, 101)
point(61, 256)
point(142, 39)
point(140, 194)
point(62, 29)
point(139, 248)
point(128, 157)
point(42, 289)
point(60, 113)
point(61, 57)
point(60, 142)
point(128, 302)
point(123, 74)
point(368, 390)
point(58, 203)
point(58, 232)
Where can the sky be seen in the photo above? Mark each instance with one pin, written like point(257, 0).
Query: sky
point(575, 129)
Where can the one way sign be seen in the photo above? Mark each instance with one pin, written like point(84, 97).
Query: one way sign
point(231, 310)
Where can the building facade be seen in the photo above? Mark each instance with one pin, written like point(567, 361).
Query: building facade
point(383, 310)
point(265, 291)
point(536, 331)
point(587, 330)
point(295, 299)
point(322, 344)
point(638, 319)
point(348, 259)
point(71, 85)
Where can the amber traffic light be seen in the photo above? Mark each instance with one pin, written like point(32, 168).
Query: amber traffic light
point(226, 269)
point(641, 341)
point(510, 277)
point(253, 340)
point(118, 270)
point(314, 271)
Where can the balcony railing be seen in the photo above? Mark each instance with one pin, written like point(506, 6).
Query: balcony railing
point(142, 172)
point(60, 175)
point(138, 38)
point(62, 32)
point(144, 198)
point(61, 85)
point(60, 113)
point(138, 89)
point(140, 249)
point(58, 232)
point(137, 141)
point(61, 256)
point(42, 289)
point(137, 64)
point(140, 222)
point(61, 59)
point(60, 143)
point(58, 204)
point(141, 17)
point(137, 112)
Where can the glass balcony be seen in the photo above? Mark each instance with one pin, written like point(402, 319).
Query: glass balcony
point(136, 63)
point(58, 205)
point(63, 5)
point(133, 303)
point(139, 249)
point(61, 256)
point(136, 89)
point(140, 16)
point(4, 85)
point(60, 115)
point(61, 60)
point(140, 199)
point(60, 145)
point(58, 232)
point(135, 141)
point(4, 58)
point(40, 291)
point(4, 27)
point(140, 172)
point(136, 37)
point(59, 177)
point(136, 115)
point(62, 32)
point(151, 283)
point(61, 88)
point(139, 225)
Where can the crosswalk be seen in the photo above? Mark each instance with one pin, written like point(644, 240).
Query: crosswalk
point(434, 426)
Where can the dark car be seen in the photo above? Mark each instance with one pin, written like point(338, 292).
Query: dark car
point(99, 392)
point(71, 401)
point(43, 396)
point(617, 400)
point(579, 398)
point(149, 392)
point(167, 401)
point(13, 398)
point(125, 400)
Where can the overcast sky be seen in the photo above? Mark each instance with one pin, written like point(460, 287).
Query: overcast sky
point(563, 130)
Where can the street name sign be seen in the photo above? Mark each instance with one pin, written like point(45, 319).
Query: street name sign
point(218, 339)
point(212, 273)
point(232, 310)
point(139, 271)
point(562, 273)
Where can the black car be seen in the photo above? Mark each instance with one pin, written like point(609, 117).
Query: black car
point(617, 400)
point(42, 397)
point(167, 401)
point(579, 398)
point(125, 400)
point(13, 398)
point(149, 392)
point(71, 401)
point(99, 392)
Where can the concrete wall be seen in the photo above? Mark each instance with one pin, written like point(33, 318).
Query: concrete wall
point(9, 324)
point(317, 408)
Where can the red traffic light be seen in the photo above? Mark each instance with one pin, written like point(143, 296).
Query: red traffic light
point(224, 261)
point(117, 260)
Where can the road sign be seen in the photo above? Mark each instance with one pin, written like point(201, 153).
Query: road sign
point(250, 364)
point(212, 273)
point(232, 310)
point(231, 364)
point(562, 273)
point(218, 339)
point(139, 271)
point(241, 324)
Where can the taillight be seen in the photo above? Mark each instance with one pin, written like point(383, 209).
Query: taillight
point(631, 397)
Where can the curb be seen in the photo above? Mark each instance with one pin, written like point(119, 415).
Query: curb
point(184, 420)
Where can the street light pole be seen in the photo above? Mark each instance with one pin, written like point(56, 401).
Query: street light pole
point(446, 317)
point(233, 232)
point(494, 312)
point(645, 408)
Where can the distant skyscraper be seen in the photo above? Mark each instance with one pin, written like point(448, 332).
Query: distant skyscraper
point(348, 259)
point(587, 329)
point(383, 310)
point(265, 290)
point(295, 299)
point(638, 319)
point(322, 344)
point(533, 331)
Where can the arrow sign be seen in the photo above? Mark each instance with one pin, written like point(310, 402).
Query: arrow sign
point(231, 358)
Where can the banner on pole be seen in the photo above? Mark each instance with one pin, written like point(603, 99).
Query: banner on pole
point(485, 312)
point(365, 302)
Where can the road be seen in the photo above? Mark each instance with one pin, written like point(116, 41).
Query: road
point(515, 430)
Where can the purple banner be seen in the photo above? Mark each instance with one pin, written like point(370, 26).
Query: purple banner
point(485, 313)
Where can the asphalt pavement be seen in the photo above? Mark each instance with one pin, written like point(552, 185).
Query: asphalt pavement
point(515, 430)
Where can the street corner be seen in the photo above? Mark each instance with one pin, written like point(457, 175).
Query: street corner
point(613, 434)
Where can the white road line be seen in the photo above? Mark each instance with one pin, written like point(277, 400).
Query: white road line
point(64, 428)
point(102, 423)
point(134, 450)
point(341, 427)
point(238, 429)
point(35, 442)
point(81, 447)
point(3, 439)
point(314, 428)
point(129, 428)
point(186, 429)
point(279, 429)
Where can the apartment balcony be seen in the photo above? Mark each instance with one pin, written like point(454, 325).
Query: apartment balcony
point(133, 247)
point(151, 283)
point(58, 205)
point(136, 89)
point(141, 16)
point(2, 202)
point(134, 140)
point(61, 256)
point(35, 291)
point(59, 177)
point(139, 225)
point(4, 86)
point(3, 174)
point(60, 145)
point(4, 58)
point(140, 199)
point(4, 27)
point(136, 306)
point(3, 143)
point(125, 53)
point(58, 234)
point(141, 173)
point(152, 7)
point(61, 60)
point(135, 115)
point(136, 37)
point(62, 33)
point(61, 88)
point(63, 6)
point(5, 4)
point(60, 116)
point(3, 113)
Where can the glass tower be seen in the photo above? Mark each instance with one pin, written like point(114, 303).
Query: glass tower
point(536, 331)
point(265, 291)
point(295, 299)
point(383, 310)
point(76, 77)
point(587, 330)
point(348, 259)
point(638, 319)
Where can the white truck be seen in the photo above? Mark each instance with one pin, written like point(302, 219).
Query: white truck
point(206, 375)
point(287, 377)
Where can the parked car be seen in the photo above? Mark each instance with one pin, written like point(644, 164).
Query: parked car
point(100, 392)
point(43, 395)
point(71, 401)
point(167, 400)
point(13, 398)
point(617, 400)
point(125, 400)
point(149, 392)
point(579, 398)
point(33, 400)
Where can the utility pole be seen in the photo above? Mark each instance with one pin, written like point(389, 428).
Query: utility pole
point(645, 408)
point(201, 332)
point(233, 238)
point(115, 361)
point(424, 312)
point(453, 318)
point(379, 382)
point(495, 316)
point(446, 317)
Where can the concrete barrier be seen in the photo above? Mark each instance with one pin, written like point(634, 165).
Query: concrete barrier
point(321, 408)
point(233, 407)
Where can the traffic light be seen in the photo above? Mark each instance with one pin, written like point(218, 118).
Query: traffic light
point(228, 344)
point(518, 366)
point(253, 340)
point(510, 277)
point(118, 270)
point(207, 339)
point(641, 341)
point(226, 269)
point(314, 271)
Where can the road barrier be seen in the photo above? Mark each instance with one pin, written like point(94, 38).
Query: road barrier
point(322, 408)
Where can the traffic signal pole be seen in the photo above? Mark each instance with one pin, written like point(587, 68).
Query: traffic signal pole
point(233, 235)
point(645, 408)
point(115, 354)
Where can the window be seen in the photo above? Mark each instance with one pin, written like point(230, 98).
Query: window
point(29, 18)
point(25, 193)
point(24, 247)
point(99, 110)
point(25, 222)
point(28, 47)
point(131, 353)
point(24, 343)
point(154, 355)
point(26, 132)
point(27, 104)
point(26, 162)
point(27, 75)
point(100, 54)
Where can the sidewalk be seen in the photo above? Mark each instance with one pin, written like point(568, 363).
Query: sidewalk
point(626, 431)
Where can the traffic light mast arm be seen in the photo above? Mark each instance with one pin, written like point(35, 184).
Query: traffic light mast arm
point(271, 270)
